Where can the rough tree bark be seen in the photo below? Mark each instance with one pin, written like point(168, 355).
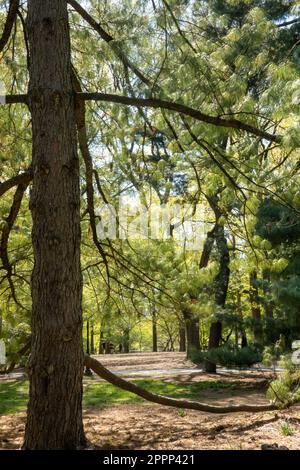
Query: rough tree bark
point(56, 366)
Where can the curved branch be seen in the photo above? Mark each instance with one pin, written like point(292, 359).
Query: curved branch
point(90, 20)
point(157, 103)
point(88, 162)
point(11, 16)
point(288, 23)
point(22, 178)
point(105, 374)
point(9, 223)
point(109, 39)
point(182, 109)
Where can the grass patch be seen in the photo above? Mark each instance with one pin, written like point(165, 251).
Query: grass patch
point(14, 395)
point(103, 393)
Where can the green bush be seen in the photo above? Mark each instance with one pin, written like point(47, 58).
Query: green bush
point(224, 356)
point(285, 388)
point(239, 357)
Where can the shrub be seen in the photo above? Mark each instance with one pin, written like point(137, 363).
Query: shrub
point(285, 389)
point(224, 356)
point(239, 357)
point(286, 429)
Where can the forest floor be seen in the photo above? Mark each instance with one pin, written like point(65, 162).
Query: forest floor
point(115, 419)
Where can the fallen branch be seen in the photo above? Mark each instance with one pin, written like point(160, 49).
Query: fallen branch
point(105, 374)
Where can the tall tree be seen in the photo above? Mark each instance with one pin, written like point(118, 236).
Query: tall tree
point(54, 411)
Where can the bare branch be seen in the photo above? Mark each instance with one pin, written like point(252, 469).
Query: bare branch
point(11, 16)
point(288, 23)
point(182, 109)
point(22, 178)
point(9, 223)
point(109, 39)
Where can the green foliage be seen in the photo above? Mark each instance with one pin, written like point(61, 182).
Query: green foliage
point(228, 59)
point(286, 429)
point(223, 356)
point(14, 395)
point(285, 389)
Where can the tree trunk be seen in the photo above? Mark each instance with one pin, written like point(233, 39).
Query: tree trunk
point(271, 333)
point(244, 343)
point(154, 332)
point(221, 289)
point(182, 338)
point(192, 335)
point(255, 308)
point(88, 337)
point(87, 371)
point(54, 419)
point(101, 339)
point(92, 339)
point(126, 341)
point(215, 335)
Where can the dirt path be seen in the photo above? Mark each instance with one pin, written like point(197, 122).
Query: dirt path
point(154, 361)
point(150, 426)
point(165, 364)
point(162, 364)
point(154, 427)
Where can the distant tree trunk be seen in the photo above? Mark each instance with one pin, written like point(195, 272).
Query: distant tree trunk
point(88, 371)
point(54, 418)
point(215, 335)
point(192, 334)
point(268, 304)
point(107, 347)
point(205, 256)
point(271, 334)
point(221, 288)
point(255, 308)
point(101, 339)
point(154, 332)
point(126, 341)
point(244, 343)
point(92, 339)
point(242, 332)
point(88, 337)
point(182, 338)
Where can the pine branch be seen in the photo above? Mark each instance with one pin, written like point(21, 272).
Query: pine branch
point(22, 178)
point(11, 17)
point(182, 109)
